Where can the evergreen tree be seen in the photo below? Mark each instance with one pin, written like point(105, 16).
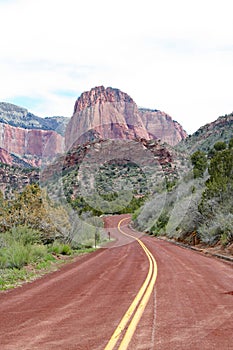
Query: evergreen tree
point(199, 162)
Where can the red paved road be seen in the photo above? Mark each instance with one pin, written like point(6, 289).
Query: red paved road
point(80, 306)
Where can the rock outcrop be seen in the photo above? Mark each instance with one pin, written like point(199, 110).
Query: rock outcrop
point(28, 138)
point(105, 114)
point(5, 157)
point(32, 146)
point(99, 114)
point(112, 114)
point(160, 125)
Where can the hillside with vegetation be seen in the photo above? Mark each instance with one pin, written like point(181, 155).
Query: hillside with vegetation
point(110, 176)
point(206, 136)
point(199, 207)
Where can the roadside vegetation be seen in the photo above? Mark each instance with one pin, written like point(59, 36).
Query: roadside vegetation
point(36, 234)
point(199, 207)
point(24, 255)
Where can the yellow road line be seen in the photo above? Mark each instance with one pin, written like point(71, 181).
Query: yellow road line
point(139, 303)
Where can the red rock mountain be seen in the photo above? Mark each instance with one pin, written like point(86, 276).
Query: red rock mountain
point(105, 114)
point(108, 113)
point(27, 139)
point(160, 125)
point(5, 157)
point(101, 113)
point(30, 144)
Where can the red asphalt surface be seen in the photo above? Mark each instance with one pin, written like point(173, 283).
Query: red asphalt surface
point(79, 306)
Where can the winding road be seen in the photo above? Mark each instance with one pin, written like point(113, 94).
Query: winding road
point(137, 293)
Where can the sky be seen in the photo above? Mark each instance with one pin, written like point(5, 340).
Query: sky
point(171, 55)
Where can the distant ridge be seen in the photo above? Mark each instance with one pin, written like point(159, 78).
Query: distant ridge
point(206, 136)
point(20, 117)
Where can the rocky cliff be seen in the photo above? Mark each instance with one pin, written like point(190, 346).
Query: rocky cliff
point(160, 125)
point(31, 145)
point(27, 137)
point(104, 114)
point(112, 114)
point(11, 159)
point(5, 157)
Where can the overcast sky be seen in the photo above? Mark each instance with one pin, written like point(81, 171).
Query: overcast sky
point(172, 55)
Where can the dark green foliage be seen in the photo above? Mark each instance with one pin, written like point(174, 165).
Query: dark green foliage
point(230, 145)
point(170, 184)
point(220, 146)
point(216, 204)
point(134, 205)
point(221, 175)
point(81, 206)
point(199, 162)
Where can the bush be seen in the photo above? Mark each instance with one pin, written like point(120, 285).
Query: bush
point(25, 235)
point(220, 146)
point(66, 250)
point(38, 252)
point(16, 255)
point(59, 248)
point(55, 248)
point(219, 228)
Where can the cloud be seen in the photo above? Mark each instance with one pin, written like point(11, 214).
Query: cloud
point(172, 55)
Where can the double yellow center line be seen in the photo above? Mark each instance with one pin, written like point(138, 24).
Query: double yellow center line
point(134, 313)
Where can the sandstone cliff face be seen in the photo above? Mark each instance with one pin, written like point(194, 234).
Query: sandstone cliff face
point(5, 157)
point(105, 114)
point(160, 125)
point(31, 145)
point(112, 114)
point(29, 140)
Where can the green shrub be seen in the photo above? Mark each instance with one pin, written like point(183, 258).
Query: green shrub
point(3, 259)
point(49, 257)
point(66, 249)
point(220, 146)
point(55, 248)
point(38, 252)
point(25, 235)
point(16, 255)
point(224, 239)
point(60, 248)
